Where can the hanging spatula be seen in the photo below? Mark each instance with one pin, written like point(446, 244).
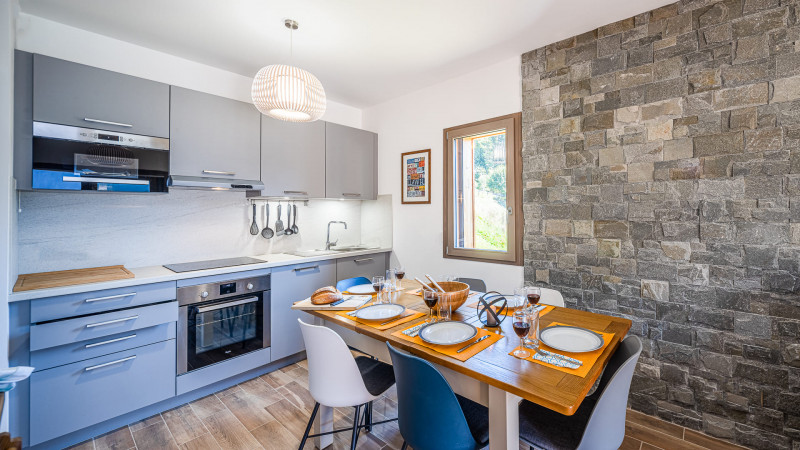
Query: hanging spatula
point(279, 223)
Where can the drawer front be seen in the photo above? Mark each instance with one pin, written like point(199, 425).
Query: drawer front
point(93, 348)
point(75, 396)
point(63, 332)
point(361, 266)
point(99, 301)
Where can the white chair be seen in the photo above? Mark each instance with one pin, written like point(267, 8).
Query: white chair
point(552, 297)
point(337, 379)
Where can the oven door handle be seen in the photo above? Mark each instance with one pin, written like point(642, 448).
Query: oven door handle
point(203, 309)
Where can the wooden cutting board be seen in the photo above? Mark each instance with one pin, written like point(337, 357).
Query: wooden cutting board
point(44, 280)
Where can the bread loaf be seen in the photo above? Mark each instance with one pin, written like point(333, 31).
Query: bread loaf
point(325, 295)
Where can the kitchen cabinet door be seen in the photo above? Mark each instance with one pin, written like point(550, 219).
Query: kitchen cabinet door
point(292, 158)
point(290, 284)
point(68, 93)
point(361, 266)
point(350, 163)
point(213, 136)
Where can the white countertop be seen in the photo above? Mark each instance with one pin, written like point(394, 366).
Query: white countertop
point(156, 274)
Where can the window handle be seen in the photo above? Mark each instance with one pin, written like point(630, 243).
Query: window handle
point(510, 211)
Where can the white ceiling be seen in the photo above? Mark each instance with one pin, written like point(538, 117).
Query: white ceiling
point(363, 51)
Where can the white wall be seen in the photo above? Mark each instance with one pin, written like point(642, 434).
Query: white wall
point(38, 35)
point(415, 122)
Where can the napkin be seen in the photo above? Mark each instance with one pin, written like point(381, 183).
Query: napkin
point(547, 357)
point(413, 331)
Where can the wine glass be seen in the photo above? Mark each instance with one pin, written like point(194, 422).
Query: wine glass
point(534, 294)
point(522, 325)
point(430, 298)
point(399, 272)
point(377, 285)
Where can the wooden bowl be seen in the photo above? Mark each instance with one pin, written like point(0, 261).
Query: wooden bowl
point(455, 295)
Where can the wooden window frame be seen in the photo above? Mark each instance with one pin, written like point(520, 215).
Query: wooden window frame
point(513, 255)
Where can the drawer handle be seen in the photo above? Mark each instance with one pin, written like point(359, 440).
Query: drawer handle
point(110, 297)
point(306, 268)
point(363, 260)
point(350, 194)
point(109, 322)
point(295, 192)
point(110, 341)
point(119, 124)
point(219, 172)
point(119, 361)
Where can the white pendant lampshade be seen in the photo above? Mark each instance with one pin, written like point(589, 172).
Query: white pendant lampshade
point(288, 93)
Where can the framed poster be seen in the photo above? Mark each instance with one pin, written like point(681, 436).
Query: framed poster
point(416, 177)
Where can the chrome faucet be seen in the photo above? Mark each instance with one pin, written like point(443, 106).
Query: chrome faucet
point(328, 243)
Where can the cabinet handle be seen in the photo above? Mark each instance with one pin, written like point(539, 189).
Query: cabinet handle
point(350, 194)
point(363, 260)
point(246, 301)
point(110, 297)
point(109, 322)
point(110, 341)
point(295, 192)
point(119, 124)
point(219, 172)
point(306, 268)
point(119, 361)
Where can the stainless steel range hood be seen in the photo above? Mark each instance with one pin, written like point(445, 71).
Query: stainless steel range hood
point(215, 184)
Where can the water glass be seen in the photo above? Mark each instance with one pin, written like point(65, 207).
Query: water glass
point(444, 306)
point(519, 298)
point(391, 280)
point(532, 339)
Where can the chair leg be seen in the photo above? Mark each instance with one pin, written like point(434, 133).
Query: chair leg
point(405, 446)
point(355, 428)
point(368, 417)
point(308, 427)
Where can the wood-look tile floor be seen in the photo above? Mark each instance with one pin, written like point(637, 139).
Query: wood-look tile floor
point(271, 412)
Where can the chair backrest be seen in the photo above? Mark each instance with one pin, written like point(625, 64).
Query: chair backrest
point(606, 426)
point(344, 285)
point(552, 297)
point(428, 413)
point(475, 284)
point(333, 376)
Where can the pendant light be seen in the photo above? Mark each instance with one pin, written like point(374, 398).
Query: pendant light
point(288, 93)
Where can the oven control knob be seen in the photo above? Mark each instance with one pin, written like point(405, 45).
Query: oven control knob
point(204, 294)
point(249, 286)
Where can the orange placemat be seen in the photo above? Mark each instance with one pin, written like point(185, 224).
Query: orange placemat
point(588, 358)
point(510, 311)
point(450, 350)
point(377, 324)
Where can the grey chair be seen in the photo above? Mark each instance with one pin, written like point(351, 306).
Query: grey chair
point(475, 284)
point(599, 423)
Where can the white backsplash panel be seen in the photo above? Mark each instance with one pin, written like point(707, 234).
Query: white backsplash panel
point(61, 231)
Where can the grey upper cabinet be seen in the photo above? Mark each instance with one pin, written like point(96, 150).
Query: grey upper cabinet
point(293, 158)
point(350, 162)
point(213, 136)
point(68, 93)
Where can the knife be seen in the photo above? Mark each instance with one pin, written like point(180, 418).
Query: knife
point(471, 344)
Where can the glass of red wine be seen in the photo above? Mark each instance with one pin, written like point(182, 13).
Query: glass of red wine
point(399, 272)
point(430, 298)
point(522, 326)
point(377, 285)
point(534, 294)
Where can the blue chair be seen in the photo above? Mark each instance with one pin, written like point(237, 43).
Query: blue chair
point(599, 423)
point(344, 285)
point(430, 415)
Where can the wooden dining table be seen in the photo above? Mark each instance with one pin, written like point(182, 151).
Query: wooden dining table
point(492, 377)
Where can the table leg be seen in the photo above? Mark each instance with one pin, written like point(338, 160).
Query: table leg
point(322, 423)
point(503, 420)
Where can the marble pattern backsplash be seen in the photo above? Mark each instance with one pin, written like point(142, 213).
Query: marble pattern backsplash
point(60, 231)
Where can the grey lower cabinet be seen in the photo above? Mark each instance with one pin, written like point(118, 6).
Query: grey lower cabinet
point(350, 163)
point(292, 158)
point(73, 94)
point(290, 284)
point(212, 136)
point(362, 266)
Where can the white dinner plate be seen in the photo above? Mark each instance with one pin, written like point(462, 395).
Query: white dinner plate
point(447, 333)
point(380, 312)
point(361, 289)
point(571, 339)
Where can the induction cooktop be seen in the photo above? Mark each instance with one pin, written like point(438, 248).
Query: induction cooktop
point(212, 264)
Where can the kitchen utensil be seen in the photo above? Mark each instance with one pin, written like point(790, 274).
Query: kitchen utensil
point(471, 344)
point(571, 339)
point(44, 280)
point(425, 286)
point(434, 282)
point(382, 311)
point(447, 333)
point(279, 222)
point(254, 225)
point(267, 232)
point(361, 289)
point(288, 231)
point(295, 230)
point(454, 296)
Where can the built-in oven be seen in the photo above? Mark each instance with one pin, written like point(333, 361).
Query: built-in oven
point(69, 158)
point(220, 321)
